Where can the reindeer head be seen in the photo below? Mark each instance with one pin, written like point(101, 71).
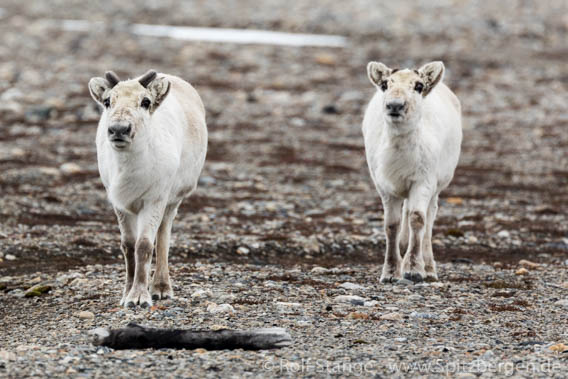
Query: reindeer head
point(404, 90)
point(128, 105)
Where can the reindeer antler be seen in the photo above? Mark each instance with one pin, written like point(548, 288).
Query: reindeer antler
point(147, 78)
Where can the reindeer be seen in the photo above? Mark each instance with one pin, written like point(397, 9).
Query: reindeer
point(413, 133)
point(151, 145)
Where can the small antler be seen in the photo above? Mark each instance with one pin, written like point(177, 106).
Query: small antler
point(112, 78)
point(147, 78)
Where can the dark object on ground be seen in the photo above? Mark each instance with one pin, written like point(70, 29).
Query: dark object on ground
point(135, 336)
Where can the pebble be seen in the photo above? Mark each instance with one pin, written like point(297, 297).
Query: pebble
point(70, 168)
point(504, 234)
point(528, 264)
point(7, 355)
point(562, 303)
point(348, 298)
point(10, 257)
point(424, 315)
point(351, 286)
point(393, 316)
point(522, 271)
point(243, 250)
point(86, 315)
point(221, 308)
point(319, 270)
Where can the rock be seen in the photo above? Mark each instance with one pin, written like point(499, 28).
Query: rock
point(348, 298)
point(371, 303)
point(504, 234)
point(415, 297)
point(7, 356)
point(393, 316)
point(288, 306)
point(471, 240)
point(559, 348)
point(424, 315)
point(319, 270)
point(488, 355)
point(401, 339)
point(243, 250)
point(528, 264)
point(221, 308)
point(10, 257)
point(37, 290)
point(70, 168)
point(522, 271)
point(351, 286)
point(562, 303)
point(404, 282)
point(202, 294)
point(358, 316)
point(86, 315)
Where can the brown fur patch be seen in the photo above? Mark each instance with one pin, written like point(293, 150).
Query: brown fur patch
point(416, 220)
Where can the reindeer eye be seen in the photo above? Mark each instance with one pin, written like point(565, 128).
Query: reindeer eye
point(419, 87)
point(145, 103)
point(384, 85)
point(106, 102)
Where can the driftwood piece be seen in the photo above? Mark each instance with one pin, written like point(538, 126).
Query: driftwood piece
point(135, 336)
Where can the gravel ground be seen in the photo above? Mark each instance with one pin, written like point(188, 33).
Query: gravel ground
point(285, 188)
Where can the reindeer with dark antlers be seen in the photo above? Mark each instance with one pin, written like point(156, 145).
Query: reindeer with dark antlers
point(151, 146)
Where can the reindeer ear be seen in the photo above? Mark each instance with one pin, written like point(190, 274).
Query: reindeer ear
point(97, 87)
point(159, 88)
point(431, 73)
point(377, 72)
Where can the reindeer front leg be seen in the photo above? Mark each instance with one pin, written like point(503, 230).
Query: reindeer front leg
point(127, 225)
point(391, 268)
point(413, 262)
point(149, 219)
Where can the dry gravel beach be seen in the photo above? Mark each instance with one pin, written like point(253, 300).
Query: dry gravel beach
point(285, 228)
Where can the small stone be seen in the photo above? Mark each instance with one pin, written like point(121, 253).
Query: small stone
point(558, 348)
point(562, 303)
point(504, 234)
point(348, 298)
point(358, 316)
point(424, 315)
point(7, 356)
point(528, 264)
point(522, 271)
point(393, 316)
point(401, 339)
point(488, 355)
point(37, 290)
point(319, 270)
point(86, 315)
point(471, 240)
point(404, 282)
point(221, 308)
point(70, 168)
point(243, 250)
point(351, 286)
point(10, 257)
point(371, 303)
point(201, 293)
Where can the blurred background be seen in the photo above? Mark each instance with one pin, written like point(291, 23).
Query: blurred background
point(285, 180)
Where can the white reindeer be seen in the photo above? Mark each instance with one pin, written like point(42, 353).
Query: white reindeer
point(151, 146)
point(412, 130)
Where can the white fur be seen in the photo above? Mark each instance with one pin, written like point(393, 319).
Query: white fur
point(410, 163)
point(147, 180)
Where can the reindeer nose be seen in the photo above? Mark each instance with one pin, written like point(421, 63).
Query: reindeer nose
point(119, 130)
point(395, 106)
